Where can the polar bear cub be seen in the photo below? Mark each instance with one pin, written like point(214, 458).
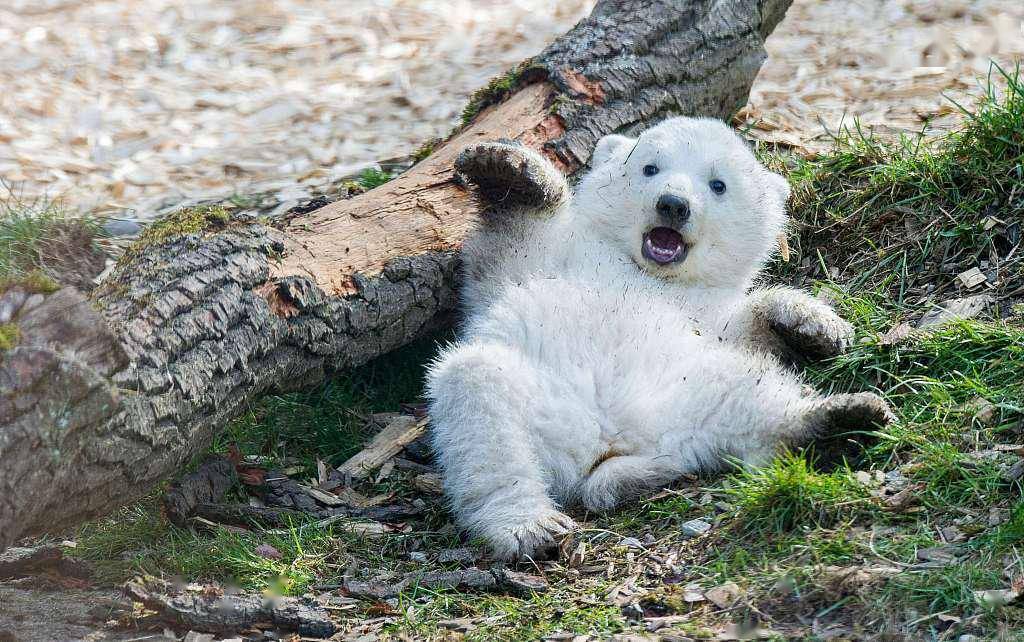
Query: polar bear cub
point(612, 338)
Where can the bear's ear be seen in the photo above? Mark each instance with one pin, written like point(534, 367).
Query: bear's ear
point(607, 146)
point(779, 186)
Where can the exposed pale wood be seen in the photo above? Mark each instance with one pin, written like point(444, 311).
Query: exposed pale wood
point(386, 444)
point(422, 211)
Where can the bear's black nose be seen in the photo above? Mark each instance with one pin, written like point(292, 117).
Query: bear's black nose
point(673, 209)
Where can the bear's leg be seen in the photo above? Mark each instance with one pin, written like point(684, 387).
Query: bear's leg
point(816, 418)
point(624, 477)
point(481, 396)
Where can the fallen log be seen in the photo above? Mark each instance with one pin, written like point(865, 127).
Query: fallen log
point(208, 312)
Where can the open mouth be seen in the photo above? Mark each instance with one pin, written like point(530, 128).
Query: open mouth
point(663, 245)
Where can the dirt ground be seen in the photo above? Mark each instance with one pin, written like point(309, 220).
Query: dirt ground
point(127, 107)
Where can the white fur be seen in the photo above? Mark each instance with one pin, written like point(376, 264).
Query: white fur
point(585, 374)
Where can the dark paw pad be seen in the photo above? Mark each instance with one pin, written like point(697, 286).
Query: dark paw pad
point(507, 174)
point(859, 411)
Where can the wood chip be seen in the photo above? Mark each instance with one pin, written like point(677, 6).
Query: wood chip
point(327, 499)
point(385, 445)
point(972, 278)
point(904, 499)
point(896, 334)
point(385, 471)
point(653, 624)
point(724, 596)
point(956, 309)
point(784, 247)
point(989, 222)
point(159, 124)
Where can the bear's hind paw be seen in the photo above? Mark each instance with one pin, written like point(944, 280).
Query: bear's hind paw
point(856, 411)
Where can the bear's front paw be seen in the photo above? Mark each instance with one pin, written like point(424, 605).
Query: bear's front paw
point(508, 174)
point(530, 538)
point(811, 332)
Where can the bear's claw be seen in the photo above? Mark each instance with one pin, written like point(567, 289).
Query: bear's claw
point(535, 539)
point(509, 175)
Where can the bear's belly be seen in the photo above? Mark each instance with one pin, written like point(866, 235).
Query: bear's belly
point(627, 372)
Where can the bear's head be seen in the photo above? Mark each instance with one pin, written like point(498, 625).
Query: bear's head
point(687, 201)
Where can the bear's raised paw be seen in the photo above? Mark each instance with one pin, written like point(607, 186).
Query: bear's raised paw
point(509, 175)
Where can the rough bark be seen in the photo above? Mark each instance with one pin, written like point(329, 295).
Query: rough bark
point(112, 395)
point(230, 613)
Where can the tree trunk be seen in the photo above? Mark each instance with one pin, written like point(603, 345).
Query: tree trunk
point(103, 397)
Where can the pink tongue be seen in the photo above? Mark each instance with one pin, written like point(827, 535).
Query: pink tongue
point(665, 239)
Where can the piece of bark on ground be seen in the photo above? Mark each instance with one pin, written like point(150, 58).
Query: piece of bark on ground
point(69, 614)
point(401, 431)
point(206, 485)
point(217, 612)
point(20, 561)
point(210, 311)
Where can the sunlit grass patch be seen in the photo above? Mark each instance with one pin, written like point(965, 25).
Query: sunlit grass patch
point(372, 177)
point(138, 539)
point(915, 208)
point(789, 493)
point(509, 618)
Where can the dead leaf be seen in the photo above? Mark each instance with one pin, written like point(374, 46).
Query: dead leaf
point(724, 596)
point(896, 334)
point(267, 551)
point(971, 278)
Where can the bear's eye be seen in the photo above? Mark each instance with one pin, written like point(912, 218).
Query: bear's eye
point(650, 170)
point(717, 186)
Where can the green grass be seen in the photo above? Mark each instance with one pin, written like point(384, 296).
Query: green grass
point(25, 228)
point(10, 336)
point(372, 177)
point(330, 422)
point(493, 92)
point(905, 213)
point(789, 494)
point(138, 540)
point(188, 220)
